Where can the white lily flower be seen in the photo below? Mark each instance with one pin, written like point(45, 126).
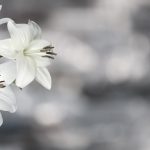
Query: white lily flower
point(7, 98)
point(30, 53)
point(7, 101)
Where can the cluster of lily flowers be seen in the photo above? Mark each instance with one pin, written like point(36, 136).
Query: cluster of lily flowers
point(27, 58)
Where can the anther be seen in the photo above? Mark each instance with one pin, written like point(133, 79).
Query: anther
point(52, 53)
point(48, 47)
point(2, 81)
point(48, 51)
point(2, 86)
point(48, 56)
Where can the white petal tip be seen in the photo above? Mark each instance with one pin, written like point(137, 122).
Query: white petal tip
point(13, 109)
point(44, 78)
point(1, 119)
point(47, 85)
point(1, 123)
point(48, 88)
point(19, 85)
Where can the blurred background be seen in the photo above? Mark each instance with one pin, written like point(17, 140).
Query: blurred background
point(100, 97)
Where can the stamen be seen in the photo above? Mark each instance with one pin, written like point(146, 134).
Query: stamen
point(43, 50)
point(48, 51)
point(2, 84)
point(48, 47)
point(52, 53)
point(48, 56)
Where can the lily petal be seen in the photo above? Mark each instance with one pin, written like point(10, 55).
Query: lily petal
point(8, 72)
point(41, 61)
point(43, 77)
point(37, 45)
point(20, 35)
point(7, 100)
point(6, 49)
point(1, 119)
point(35, 30)
point(4, 106)
point(26, 70)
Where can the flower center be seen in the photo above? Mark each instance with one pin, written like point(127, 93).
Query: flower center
point(45, 52)
point(20, 52)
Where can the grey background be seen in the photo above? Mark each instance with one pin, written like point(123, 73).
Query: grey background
point(100, 97)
